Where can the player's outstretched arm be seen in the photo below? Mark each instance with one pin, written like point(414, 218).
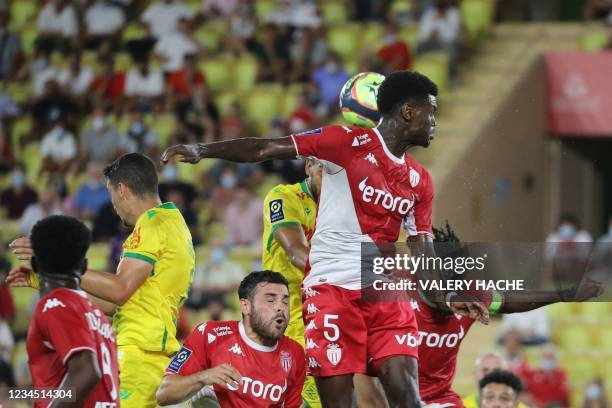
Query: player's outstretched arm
point(244, 150)
point(177, 388)
point(82, 376)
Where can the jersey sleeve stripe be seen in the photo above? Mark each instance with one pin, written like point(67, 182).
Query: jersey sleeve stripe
point(283, 224)
point(140, 256)
point(297, 151)
point(76, 350)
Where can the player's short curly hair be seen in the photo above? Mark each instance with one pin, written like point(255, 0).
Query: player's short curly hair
point(401, 87)
point(60, 244)
point(136, 171)
point(502, 377)
point(250, 282)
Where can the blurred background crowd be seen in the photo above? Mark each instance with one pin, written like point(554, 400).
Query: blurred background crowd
point(84, 81)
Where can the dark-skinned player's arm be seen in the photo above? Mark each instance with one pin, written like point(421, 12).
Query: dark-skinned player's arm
point(82, 376)
point(243, 150)
point(175, 389)
point(292, 239)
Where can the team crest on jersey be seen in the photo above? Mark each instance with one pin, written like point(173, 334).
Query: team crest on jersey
point(415, 177)
point(133, 240)
point(52, 303)
point(334, 354)
point(276, 210)
point(310, 132)
point(285, 361)
point(179, 359)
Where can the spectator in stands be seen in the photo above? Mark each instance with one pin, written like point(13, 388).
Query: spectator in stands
point(440, 30)
point(198, 118)
point(272, 54)
point(103, 22)
point(240, 29)
point(109, 85)
point(101, 141)
point(181, 83)
point(533, 326)
point(139, 137)
point(308, 50)
point(485, 364)
point(7, 304)
point(500, 389)
point(92, 194)
point(11, 54)
point(76, 78)
point(569, 230)
point(225, 178)
point(49, 204)
point(595, 395)
point(394, 54)
point(144, 87)
point(174, 46)
point(296, 13)
point(232, 123)
point(548, 384)
point(58, 148)
point(39, 70)
point(53, 101)
point(219, 8)
point(243, 218)
point(599, 10)
point(302, 118)
point(7, 343)
point(517, 363)
point(19, 195)
point(177, 197)
point(6, 151)
point(328, 81)
point(162, 17)
point(57, 26)
point(601, 258)
point(215, 279)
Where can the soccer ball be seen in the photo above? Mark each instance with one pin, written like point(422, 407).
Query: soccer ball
point(358, 99)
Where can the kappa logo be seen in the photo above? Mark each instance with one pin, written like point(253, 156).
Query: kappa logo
point(311, 308)
point(334, 354)
point(311, 325)
point(370, 157)
point(201, 328)
point(313, 363)
point(52, 303)
point(236, 350)
point(309, 292)
point(361, 140)
point(347, 129)
point(211, 338)
point(285, 361)
point(310, 344)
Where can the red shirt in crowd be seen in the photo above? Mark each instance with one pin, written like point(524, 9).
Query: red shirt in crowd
point(182, 85)
point(114, 88)
point(396, 54)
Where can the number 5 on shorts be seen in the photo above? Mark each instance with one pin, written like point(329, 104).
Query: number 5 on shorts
point(329, 325)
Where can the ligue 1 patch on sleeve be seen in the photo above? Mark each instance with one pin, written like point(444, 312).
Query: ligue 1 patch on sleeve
point(310, 132)
point(276, 210)
point(179, 359)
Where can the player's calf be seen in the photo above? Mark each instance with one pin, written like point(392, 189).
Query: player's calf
point(336, 391)
point(399, 377)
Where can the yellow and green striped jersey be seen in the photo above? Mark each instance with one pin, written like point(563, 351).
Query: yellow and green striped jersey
point(148, 319)
point(288, 204)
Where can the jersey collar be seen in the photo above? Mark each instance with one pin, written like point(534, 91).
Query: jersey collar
point(251, 343)
point(304, 186)
point(398, 160)
point(167, 206)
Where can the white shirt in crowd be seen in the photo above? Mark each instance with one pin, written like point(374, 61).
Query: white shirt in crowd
point(63, 23)
point(162, 18)
point(7, 343)
point(446, 27)
point(173, 48)
point(529, 324)
point(34, 213)
point(58, 144)
point(103, 19)
point(149, 86)
point(77, 84)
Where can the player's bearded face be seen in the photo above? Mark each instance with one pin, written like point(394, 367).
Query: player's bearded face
point(269, 317)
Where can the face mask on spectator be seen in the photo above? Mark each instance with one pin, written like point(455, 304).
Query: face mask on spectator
point(389, 39)
point(136, 128)
point(228, 181)
point(567, 231)
point(98, 123)
point(217, 255)
point(593, 392)
point(331, 66)
point(610, 231)
point(548, 364)
point(18, 180)
point(170, 173)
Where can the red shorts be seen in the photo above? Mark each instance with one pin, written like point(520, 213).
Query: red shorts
point(446, 399)
point(346, 335)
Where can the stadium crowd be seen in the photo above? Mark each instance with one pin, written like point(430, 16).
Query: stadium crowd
point(86, 81)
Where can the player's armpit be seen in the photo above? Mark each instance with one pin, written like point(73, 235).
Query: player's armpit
point(117, 289)
point(82, 376)
point(291, 237)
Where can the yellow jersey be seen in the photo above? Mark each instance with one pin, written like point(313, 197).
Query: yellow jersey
point(288, 204)
point(148, 319)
